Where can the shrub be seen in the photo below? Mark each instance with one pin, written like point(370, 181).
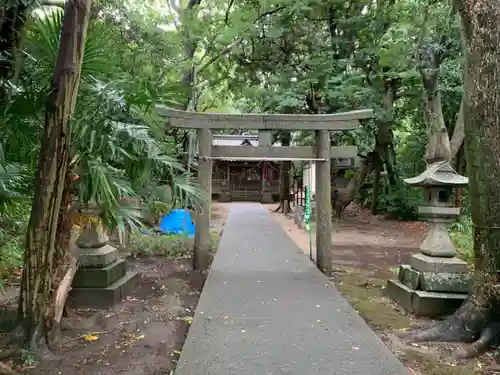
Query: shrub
point(172, 246)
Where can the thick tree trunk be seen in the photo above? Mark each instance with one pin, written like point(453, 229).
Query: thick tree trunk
point(478, 319)
point(49, 266)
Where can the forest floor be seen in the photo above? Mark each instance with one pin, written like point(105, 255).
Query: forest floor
point(143, 335)
point(367, 250)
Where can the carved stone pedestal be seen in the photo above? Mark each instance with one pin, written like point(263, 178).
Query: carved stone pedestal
point(102, 279)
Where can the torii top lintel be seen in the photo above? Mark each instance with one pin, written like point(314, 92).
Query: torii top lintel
point(258, 121)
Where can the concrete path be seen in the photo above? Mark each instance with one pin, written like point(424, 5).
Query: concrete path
point(266, 310)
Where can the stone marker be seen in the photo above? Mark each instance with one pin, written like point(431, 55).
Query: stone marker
point(299, 215)
point(435, 282)
point(102, 278)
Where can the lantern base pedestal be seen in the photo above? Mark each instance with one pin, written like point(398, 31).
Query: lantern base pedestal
point(422, 303)
point(430, 286)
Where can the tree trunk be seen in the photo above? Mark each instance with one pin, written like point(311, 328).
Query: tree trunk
point(383, 153)
point(478, 319)
point(457, 139)
point(285, 167)
point(460, 168)
point(188, 75)
point(12, 20)
point(49, 266)
point(376, 182)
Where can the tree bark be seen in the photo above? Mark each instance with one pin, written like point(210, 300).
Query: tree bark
point(383, 153)
point(478, 320)
point(376, 182)
point(188, 75)
point(457, 139)
point(285, 167)
point(49, 266)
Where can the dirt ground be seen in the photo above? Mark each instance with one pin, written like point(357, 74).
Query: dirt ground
point(143, 335)
point(366, 252)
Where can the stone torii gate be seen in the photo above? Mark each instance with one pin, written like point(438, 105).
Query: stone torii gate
point(321, 153)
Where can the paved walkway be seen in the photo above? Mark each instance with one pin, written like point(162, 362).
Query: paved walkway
point(266, 310)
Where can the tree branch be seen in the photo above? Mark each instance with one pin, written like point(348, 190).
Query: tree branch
point(228, 49)
point(228, 10)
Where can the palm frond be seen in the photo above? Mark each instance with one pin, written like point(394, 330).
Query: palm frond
point(43, 44)
point(189, 190)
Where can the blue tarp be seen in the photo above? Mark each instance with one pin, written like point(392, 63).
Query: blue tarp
point(178, 221)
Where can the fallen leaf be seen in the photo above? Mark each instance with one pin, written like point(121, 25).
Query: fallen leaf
point(90, 337)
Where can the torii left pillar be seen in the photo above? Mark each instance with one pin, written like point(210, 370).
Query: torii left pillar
point(202, 239)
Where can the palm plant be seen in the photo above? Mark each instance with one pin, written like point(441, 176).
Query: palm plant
point(117, 150)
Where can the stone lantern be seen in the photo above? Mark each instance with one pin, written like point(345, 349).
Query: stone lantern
point(435, 282)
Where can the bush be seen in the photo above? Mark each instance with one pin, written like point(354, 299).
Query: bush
point(401, 203)
point(12, 239)
point(172, 246)
point(146, 244)
point(461, 235)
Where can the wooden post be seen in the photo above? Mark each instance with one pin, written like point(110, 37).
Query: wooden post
point(323, 203)
point(202, 240)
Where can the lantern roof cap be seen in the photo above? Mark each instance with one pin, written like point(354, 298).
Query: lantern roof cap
point(440, 173)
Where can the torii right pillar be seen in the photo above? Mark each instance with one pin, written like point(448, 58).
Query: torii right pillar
point(323, 203)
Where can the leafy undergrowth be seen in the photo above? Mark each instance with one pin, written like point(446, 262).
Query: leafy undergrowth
point(461, 235)
point(12, 239)
point(171, 246)
point(365, 293)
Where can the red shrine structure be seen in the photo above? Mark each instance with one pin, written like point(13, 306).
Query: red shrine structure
point(234, 179)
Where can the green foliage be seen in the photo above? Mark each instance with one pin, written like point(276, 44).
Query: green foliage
point(461, 235)
point(172, 246)
point(276, 56)
point(141, 244)
point(401, 203)
point(120, 149)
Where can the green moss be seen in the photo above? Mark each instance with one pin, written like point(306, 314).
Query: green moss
point(365, 294)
